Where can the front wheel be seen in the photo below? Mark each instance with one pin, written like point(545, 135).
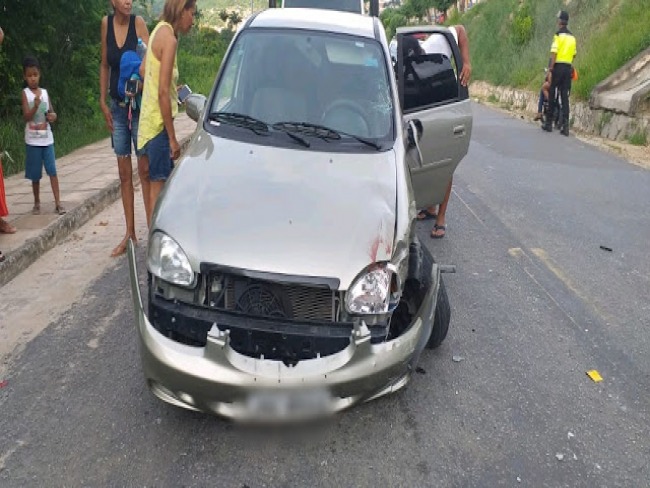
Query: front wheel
point(441, 319)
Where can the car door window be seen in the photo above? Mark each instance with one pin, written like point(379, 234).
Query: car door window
point(430, 73)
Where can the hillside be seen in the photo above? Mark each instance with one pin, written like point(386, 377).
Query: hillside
point(209, 9)
point(510, 39)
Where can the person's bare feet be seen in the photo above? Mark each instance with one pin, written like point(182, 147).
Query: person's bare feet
point(121, 247)
point(6, 227)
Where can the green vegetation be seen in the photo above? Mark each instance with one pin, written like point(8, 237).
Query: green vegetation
point(64, 36)
point(510, 40)
point(639, 138)
point(412, 12)
point(605, 118)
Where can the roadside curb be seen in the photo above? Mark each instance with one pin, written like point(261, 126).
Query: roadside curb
point(25, 255)
point(22, 257)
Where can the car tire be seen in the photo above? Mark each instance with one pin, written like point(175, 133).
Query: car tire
point(441, 319)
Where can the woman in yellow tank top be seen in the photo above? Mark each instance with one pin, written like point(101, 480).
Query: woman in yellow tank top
point(156, 135)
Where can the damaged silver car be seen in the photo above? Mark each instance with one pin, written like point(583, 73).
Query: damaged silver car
point(284, 276)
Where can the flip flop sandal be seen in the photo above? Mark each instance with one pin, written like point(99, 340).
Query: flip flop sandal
point(426, 215)
point(438, 227)
point(2, 257)
point(36, 210)
point(60, 210)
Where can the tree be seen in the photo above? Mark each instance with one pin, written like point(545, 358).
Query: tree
point(442, 5)
point(64, 36)
point(234, 18)
point(392, 18)
point(416, 8)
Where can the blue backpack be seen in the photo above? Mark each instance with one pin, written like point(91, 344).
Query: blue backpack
point(129, 69)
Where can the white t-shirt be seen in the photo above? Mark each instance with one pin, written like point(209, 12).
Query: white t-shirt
point(438, 44)
point(38, 131)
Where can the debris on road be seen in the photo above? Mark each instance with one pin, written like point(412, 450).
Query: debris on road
point(3, 383)
point(605, 248)
point(594, 375)
point(420, 370)
point(570, 435)
point(457, 359)
point(103, 223)
point(559, 456)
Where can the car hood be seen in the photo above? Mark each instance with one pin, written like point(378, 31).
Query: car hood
point(278, 210)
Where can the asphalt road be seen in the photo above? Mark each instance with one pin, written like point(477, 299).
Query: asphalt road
point(536, 303)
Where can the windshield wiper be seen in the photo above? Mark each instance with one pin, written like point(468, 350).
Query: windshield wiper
point(240, 120)
point(308, 128)
point(297, 138)
point(290, 132)
point(325, 133)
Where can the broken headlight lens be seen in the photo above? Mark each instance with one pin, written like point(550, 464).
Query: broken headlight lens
point(369, 294)
point(167, 261)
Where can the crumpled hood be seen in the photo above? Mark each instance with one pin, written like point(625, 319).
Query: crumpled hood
point(289, 211)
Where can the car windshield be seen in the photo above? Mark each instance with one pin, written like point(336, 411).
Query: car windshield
point(353, 6)
point(305, 83)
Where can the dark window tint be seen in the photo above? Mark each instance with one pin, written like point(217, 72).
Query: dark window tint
point(430, 79)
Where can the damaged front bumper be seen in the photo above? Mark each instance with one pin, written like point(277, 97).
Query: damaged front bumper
point(220, 380)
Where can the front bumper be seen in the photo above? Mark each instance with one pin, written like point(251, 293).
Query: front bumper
point(218, 379)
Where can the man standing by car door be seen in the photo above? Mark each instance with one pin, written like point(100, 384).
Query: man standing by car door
point(563, 50)
point(433, 45)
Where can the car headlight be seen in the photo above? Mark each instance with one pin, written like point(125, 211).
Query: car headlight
point(370, 292)
point(167, 261)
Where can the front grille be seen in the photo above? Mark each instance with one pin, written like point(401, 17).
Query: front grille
point(268, 299)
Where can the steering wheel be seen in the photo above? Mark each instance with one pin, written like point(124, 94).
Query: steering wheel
point(347, 116)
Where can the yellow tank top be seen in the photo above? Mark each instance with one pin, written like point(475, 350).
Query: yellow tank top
point(151, 121)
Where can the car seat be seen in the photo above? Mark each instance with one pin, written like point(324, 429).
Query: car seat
point(280, 94)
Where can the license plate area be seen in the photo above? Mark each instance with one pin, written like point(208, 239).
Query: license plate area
point(295, 404)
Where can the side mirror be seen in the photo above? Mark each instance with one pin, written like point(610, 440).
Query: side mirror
point(194, 105)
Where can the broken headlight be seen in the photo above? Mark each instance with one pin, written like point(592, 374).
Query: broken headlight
point(167, 261)
point(370, 292)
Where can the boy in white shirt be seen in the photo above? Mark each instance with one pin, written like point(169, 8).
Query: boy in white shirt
point(39, 141)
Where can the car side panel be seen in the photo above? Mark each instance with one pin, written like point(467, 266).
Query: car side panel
point(444, 141)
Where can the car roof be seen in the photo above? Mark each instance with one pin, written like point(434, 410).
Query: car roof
point(315, 19)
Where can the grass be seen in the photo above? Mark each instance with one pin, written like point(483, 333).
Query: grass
point(71, 131)
point(639, 138)
point(75, 129)
point(609, 33)
point(199, 72)
point(605, 118)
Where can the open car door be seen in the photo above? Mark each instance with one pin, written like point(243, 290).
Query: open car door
point(436, 108)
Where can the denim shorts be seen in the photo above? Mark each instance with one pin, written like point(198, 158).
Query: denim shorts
point(160, 159)
point(122, 136)
point(37, 157)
